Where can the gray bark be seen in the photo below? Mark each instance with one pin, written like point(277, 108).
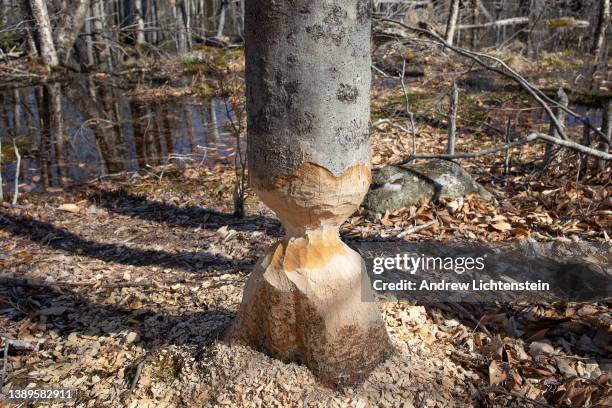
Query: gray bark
point(308, 95)
point(560, 115)
point(140, 25)
point(222, 15)
point(451, 24)
point(602, 25)
point(606, 128)
point(46, 47)
point(452, 119)
point(70, 26)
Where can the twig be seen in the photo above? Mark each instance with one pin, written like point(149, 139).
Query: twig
point(416, 228)
point(499, 390)
point(16, 192)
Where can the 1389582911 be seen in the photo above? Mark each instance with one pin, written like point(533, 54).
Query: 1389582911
point(39, 394)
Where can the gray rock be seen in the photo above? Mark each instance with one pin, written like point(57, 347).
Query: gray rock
point(395, 187)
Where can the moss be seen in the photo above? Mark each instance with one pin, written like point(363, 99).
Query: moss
point(581, 96)
point(168, 367)
point(205, 90)
point(562, 22)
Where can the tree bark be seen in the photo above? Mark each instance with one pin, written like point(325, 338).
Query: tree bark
point(550, 150)
point(140, 25)
point(451, 24)
point(308, 105)
point(452, 119)
point(69, 27)
point(606, 128)
point(602, 25)
point(46, 48)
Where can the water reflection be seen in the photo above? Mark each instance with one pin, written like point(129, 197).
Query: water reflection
point(69, 133)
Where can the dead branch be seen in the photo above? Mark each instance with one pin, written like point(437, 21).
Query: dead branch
point(570, 145)
point(530, 138)
point(565, 22)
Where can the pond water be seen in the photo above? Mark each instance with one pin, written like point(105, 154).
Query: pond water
point(72, 132)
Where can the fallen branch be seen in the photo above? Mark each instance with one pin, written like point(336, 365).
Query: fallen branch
point(530, 138)
point(570, 145)
point(471, 155)
point(416, 228)
point(499, 390)
point(507, 72)
point(562, 22)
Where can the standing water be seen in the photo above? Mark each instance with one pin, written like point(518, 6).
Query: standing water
point(70, 133)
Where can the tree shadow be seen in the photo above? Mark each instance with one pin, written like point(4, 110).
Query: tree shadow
point(125, 203)
point(47, 234)
point(73, 313)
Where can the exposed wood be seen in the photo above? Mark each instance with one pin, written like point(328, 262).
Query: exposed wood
point(309, 161)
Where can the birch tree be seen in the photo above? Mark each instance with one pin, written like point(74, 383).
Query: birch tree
point(451, 24)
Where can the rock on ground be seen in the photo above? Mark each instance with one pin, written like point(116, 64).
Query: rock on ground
point(394, 187)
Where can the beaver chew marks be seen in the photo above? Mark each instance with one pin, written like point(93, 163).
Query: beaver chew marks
point(303, 302)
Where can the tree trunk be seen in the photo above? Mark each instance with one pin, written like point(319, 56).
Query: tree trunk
point(70, 26)
point(53, 99)
point(606, 128)
point(222, 15)
point(600, 31)
point(451, 24)
point(452, 119)
point(46, 48)
point(308, 104)
point(140, 25)
point(560, 114)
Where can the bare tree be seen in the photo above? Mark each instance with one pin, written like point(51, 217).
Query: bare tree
point(452, 119)
point(600, 31)
point(451, 24)
point(560, 114)
point(37, 10)
point(140, 24)
point(69, 27)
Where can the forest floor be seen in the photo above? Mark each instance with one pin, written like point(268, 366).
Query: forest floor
point(124, 286)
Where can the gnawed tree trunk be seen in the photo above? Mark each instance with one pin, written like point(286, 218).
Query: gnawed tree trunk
point(451, 24)
point(308, 87)
point(44, 37)
point(602, 25)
